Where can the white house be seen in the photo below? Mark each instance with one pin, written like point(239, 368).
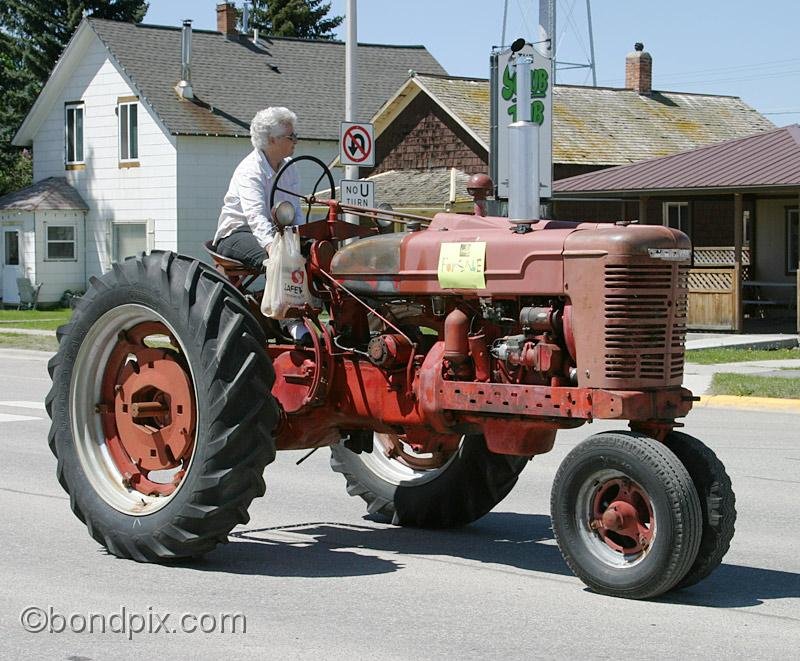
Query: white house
point(43, 227)
point(151, 159)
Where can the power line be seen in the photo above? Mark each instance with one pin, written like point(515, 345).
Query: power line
point(755, 65)
point(751, 69)
point(707, 81)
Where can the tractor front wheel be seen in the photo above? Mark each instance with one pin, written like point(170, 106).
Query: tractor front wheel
point(717, 503)
point(626, 515)
point(430, 490)
point(161, 408)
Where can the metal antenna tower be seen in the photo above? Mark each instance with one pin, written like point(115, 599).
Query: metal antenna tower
point(547, 31)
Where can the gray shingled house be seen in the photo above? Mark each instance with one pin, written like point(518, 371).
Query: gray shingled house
point(435, 122)
point(152, 162)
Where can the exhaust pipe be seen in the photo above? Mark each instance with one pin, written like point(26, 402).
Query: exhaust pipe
point(523, 149)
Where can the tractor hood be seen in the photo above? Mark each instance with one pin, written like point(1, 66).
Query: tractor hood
point(511, 264)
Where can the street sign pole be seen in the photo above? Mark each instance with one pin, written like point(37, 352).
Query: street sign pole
point(351, 87)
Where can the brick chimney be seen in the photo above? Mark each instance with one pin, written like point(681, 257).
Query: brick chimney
point(639, 70)
point(226, 19)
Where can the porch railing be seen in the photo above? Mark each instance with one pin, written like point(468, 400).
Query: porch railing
point(711, 298)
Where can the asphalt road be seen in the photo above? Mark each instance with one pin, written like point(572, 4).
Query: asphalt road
point(314, 578)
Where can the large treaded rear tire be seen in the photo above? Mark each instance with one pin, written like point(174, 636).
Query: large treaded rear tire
point(464, 489)
point(717, 503)
point(222, 352)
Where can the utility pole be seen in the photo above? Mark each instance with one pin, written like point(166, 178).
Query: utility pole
point(351, 86)
point(547, 30)
point(591, 44)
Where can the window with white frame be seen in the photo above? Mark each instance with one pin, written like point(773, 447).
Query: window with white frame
point(73, 133)
point(128, 112)
point(60, 243)
point(128, 239)
point(747, 228)
point(792, 239)
point(676, 216)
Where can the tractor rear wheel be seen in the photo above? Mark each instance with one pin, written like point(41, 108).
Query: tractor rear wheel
point(428, 491)
point(161, 408)
point(626, 515)
point(717, 503)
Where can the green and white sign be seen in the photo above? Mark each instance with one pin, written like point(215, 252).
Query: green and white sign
point(504, 99)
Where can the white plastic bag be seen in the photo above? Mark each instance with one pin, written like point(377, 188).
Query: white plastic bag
point(287, 289)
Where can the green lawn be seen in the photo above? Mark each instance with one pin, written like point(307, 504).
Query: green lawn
point(746, 385)
point(40, 319)
point(733, 355)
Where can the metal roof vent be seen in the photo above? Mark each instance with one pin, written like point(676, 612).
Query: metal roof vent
point(184, 87)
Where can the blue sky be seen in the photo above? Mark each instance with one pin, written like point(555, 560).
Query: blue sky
point(734, 47)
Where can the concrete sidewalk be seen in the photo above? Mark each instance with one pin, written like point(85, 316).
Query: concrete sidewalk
point(740, 341)
point(697, 378)
point(26, 331)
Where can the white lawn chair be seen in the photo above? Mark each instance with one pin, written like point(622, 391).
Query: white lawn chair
point(28, 294)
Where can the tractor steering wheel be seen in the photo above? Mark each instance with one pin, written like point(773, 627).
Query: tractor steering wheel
point(308, 199)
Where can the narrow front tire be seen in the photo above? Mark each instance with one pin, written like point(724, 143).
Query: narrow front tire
point(625, 515)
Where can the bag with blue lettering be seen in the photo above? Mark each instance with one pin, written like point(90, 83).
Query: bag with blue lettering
point(286, 292)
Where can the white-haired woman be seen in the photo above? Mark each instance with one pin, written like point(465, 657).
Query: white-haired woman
point(245, 227)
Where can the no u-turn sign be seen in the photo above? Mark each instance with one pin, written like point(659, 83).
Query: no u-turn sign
point(359, 193)
point(356, 144)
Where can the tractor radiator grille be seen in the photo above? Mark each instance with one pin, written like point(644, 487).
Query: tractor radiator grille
point(645, 321)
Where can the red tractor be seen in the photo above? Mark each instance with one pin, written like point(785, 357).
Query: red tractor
point(451, 355)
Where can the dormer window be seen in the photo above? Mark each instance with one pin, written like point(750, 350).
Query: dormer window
point(128, 114)
point(73, 134)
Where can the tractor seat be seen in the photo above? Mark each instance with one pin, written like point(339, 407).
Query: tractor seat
point(229, 266)
point(240, 275)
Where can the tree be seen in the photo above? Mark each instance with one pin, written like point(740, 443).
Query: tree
point(306, 19)
point(33, 34)
point(18, 173)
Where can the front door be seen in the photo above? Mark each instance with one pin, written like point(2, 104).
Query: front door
point(12, 268)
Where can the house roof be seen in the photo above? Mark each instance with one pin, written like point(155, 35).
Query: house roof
point(53, 193)
point(418, 188)
point(765, 160)
point(232, 78)
point(596, 125)
point(405, 189)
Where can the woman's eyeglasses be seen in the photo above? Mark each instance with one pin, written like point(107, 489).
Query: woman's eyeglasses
point(292, 136)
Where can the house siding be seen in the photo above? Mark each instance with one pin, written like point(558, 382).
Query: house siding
point(425, 137)
point(712, 222)
point(770, 230)
point(57, 276)
point(24, 222)
point(204, 169)
point(146, 193)
point(592, 211)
